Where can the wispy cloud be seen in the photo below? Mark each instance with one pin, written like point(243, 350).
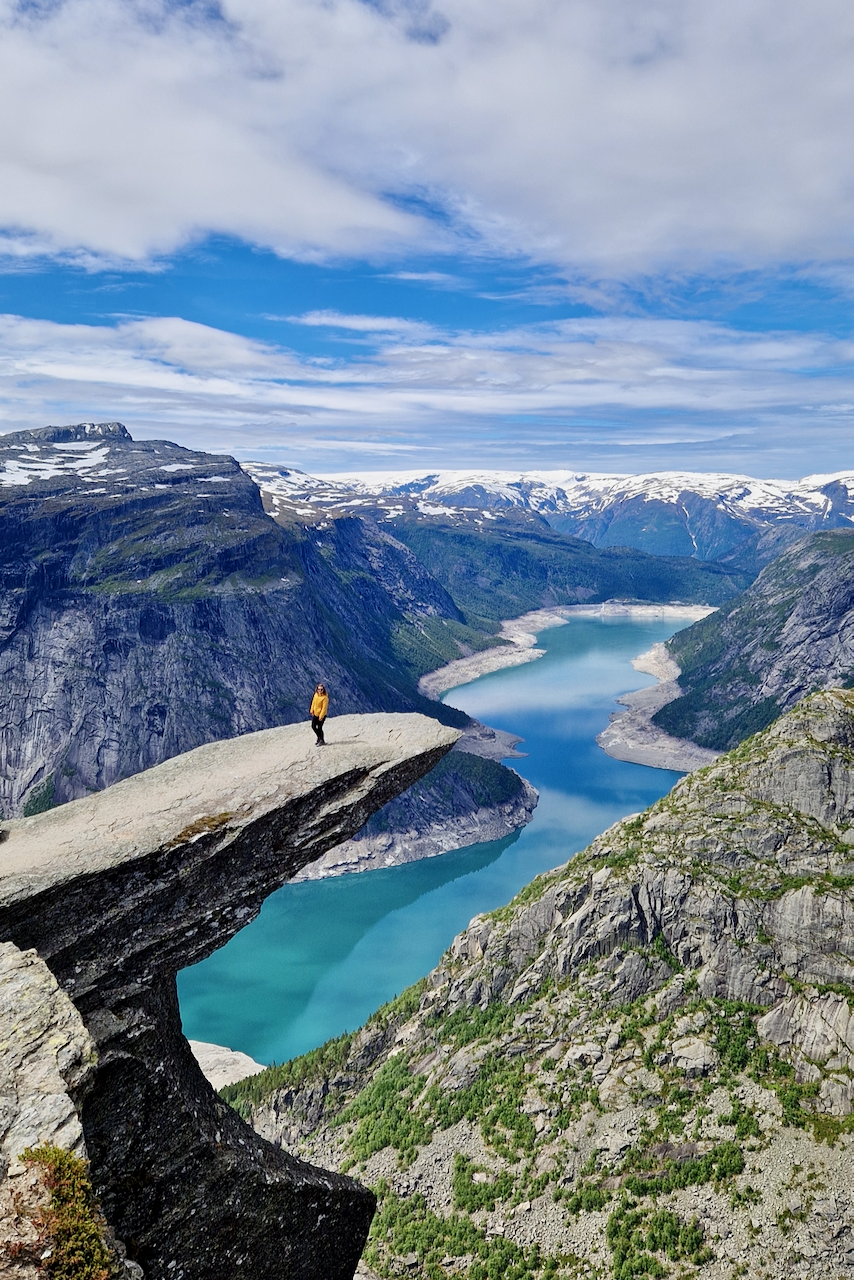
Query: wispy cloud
point(364, 324)
point(572, 393)
point(433, 279)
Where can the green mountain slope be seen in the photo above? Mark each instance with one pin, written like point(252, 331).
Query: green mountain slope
point(791, 632)
point(644, 1065)
point(510, 568)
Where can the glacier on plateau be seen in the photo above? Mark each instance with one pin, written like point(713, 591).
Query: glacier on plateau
point(704, 514)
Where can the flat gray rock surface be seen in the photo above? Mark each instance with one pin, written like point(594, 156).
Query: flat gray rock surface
point(222, 783)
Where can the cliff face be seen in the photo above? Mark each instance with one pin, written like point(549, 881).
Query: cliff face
point(791, 632)
point(115, 893)
point(638, 1061)
point(148, 604)
point(465, 800)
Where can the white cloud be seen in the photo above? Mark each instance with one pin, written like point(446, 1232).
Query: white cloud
point(573, 393)
point(613, 136)
point(363, 324)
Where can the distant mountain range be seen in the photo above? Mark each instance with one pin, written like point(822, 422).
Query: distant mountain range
point(706, 516)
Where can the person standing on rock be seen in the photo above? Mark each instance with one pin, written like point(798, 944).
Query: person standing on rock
point(319, 708)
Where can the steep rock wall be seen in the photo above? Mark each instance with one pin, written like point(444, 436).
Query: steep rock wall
point(118, 891)
point(148, 605)
point(791, 632)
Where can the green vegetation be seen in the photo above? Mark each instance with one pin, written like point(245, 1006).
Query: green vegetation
point(40, 798)
point(742, 1118)
point(494, 1098)
point(470, 1195)
point(400, 1008)
point(737, 1042)
point(735, 1032)
point(635, 1234)
point(506, 571)
point(531, 892)
point(427, 643)
point(406, 1228)
point(722, 1162)
point(386, 1115)
point(587, 1199)
point(318, 1064)
point(471, 1023)
point(72, 1221)
point(661, 949)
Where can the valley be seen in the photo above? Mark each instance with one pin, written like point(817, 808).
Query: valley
point(634, 1062)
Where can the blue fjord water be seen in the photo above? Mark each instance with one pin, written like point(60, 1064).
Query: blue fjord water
point(322, 956)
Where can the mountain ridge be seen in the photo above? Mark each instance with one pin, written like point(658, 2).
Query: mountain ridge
point(706, 515)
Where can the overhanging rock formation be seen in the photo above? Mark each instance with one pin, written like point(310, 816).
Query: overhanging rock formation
point(117, 892)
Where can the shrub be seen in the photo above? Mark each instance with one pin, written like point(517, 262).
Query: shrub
point(72, 1220)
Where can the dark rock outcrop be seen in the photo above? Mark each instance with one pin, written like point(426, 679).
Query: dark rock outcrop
point(115, 893)
point(465, 800)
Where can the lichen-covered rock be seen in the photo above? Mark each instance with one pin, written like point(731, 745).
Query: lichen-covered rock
point(46, 1054)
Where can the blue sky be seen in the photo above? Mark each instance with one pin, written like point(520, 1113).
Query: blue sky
point(600, 234)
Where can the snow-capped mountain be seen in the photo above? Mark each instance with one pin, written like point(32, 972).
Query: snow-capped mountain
point(698, 514)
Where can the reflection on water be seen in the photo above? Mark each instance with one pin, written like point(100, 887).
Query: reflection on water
point(321, 957)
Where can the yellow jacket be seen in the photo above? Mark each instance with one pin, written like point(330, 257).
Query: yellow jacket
point(319, 705)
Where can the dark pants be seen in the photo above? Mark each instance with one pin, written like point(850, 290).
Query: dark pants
point(317, 726)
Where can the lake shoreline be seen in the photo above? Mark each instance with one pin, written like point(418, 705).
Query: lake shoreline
point(631, 735)
point(585, 791)
point(520, 637)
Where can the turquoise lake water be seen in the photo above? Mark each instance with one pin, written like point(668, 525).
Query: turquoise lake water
point(322, 956)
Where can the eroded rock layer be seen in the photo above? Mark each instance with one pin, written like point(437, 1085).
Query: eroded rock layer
point(115, 893)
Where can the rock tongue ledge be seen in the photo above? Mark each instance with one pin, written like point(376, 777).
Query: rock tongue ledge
point(107, 898)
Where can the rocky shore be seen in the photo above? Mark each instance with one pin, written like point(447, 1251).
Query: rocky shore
point(633, 736)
